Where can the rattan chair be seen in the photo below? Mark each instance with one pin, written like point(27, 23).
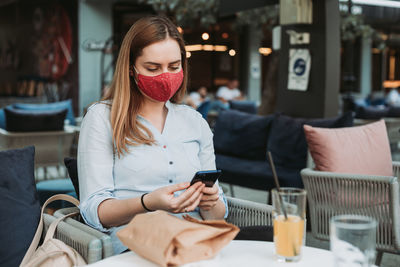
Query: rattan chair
point(331, 194)
point(241, 213)
point(87, 245)
point(105, 239)
point(248, 213)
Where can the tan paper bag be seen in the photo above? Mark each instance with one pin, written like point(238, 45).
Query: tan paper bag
point(168, 240)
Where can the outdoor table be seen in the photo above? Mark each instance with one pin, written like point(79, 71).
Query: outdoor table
point(237, 253)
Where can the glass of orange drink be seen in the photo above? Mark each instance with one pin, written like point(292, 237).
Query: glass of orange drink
point(289, 222)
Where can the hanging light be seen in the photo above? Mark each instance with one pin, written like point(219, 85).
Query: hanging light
point(265, 51)
point(232, 52)
point(188, 54)
point(205, 36)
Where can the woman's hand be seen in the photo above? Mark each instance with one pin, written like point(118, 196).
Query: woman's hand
point(164, 199)
point(210, 198)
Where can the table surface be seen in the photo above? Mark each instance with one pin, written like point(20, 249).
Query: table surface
point(237, 253)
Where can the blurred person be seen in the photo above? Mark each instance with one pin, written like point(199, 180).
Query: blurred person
point(196, 98)
point(230, 91)
point(393, 97)
point(138, 149)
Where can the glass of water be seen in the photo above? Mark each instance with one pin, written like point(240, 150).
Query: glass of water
point(353, 240)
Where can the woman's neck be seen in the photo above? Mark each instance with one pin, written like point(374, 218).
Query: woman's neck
point(151, 109)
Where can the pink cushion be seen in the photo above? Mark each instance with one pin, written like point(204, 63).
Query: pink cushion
point(356, 150)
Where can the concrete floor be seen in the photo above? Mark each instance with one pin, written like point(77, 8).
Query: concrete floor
point(388, 260)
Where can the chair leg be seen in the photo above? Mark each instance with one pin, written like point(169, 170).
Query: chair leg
point(231, 189)
point(379, 258)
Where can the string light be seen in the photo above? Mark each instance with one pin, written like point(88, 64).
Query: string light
point(232, 52)
point(205, 36)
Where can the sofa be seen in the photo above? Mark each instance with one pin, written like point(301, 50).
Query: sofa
point(241, 142)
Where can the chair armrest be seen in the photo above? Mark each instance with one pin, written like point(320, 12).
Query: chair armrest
point(248, 213)
point(107, 247)
point(87, 245)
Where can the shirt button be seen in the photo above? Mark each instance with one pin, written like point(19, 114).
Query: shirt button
point(170, 163)
point(164, 146)
point(170, 181)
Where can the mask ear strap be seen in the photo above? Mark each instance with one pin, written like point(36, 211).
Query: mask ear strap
point(131, 69)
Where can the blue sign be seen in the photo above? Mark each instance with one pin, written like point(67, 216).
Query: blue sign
point(299, 67)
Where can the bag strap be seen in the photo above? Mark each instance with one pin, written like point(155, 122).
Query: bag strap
point(36, 238)
point(53, 225)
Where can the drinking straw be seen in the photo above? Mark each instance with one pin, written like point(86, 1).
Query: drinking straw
point(271, 162)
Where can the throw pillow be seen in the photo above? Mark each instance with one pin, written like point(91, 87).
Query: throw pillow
point(287, 142)
point(19, 204)
point(18, 120)
point(72, 167)
point(66, 104)
point(241, 134)
point(357, 150)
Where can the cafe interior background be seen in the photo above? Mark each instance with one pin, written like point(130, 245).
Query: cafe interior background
point(58, 50)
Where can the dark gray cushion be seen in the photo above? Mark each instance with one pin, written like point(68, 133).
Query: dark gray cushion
point(241, 134)
point(287, 141)
point(18, 120)
point(371, 112)
point(255, 174)
point(19, 204)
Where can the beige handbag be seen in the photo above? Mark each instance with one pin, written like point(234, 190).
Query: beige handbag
point(52, 252)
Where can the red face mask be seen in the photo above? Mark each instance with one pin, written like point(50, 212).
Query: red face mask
point(161, 87)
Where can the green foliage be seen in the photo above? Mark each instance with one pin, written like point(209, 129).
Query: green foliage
point(186, 12)
point(258, 18)
point(353, 27)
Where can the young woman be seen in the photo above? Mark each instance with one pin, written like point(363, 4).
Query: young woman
point(138, 148)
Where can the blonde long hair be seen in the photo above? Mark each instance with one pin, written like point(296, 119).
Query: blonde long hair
point(125, 97)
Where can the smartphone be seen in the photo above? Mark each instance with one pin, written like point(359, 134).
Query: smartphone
point(206, 177)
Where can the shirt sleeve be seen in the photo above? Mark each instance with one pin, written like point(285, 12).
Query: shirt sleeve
point(220, 92)
point(237, 93)
point(95, 163)
point(207, 157)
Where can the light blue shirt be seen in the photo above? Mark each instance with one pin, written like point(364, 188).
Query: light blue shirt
point(184, 147)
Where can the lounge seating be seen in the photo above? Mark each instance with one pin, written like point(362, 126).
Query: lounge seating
point(241, 141)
